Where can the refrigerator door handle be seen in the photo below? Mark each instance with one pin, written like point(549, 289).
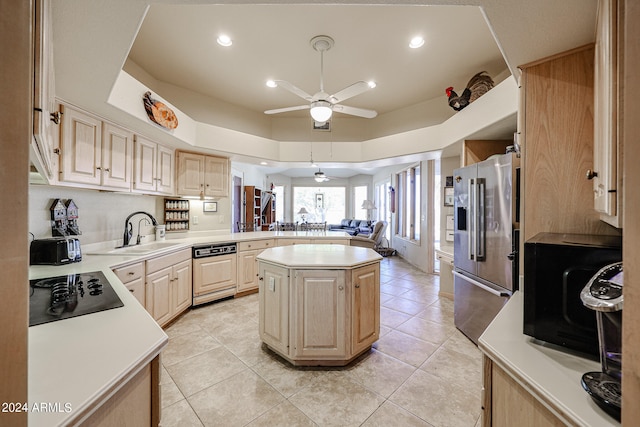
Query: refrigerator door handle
point(471, 234)
point(482, 286)
point(480, 223)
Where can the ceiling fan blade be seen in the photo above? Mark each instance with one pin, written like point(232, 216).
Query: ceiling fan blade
point(354, 111)
point(284, 110)
point(293, 89)
point(349, 92)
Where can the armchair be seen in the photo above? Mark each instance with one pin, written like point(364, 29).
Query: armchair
point(373, 240)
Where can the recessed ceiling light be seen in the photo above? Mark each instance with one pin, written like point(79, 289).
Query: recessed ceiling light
point(416, 42)
point(224, 40)
point(271, 83)
point(263, 163)
point(371, 84)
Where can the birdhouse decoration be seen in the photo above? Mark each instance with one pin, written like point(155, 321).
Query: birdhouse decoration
point(72, 218)
point(58, 218)
point(479, 84)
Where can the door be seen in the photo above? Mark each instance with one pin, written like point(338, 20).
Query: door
point(81, 147)
point(464, 180)
point(495, 220)
point(144, 168)
point(159, 295)
point(164, 170)
point(216, 176)
point(247, 270)
point(182, 286)
point(476, 303)
point(319, 320)
point(214, 274)
point(191, 174)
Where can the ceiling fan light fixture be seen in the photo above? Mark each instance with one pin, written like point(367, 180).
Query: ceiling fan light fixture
point(271, 83)
point(371, 84)
point(224, 40)
point(416, 42)
point(321, 111)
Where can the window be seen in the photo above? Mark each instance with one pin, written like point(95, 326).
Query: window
point(278, 190)
point(408, 193)
point(359, 196)
point(322, 203)
point(381, 199)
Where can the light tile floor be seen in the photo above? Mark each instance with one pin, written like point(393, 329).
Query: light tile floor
point(421, 372)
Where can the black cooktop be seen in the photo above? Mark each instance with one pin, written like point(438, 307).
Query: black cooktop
point(62, 297)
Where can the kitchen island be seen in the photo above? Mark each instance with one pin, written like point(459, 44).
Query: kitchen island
point(319, 304)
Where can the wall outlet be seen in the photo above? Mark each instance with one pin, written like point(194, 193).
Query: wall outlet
point(194, 219)
point(272, 284)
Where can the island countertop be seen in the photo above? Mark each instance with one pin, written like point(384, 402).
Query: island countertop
point(329, 257)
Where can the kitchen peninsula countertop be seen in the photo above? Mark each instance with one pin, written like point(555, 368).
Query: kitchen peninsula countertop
point(551, 375)
point(75, 363)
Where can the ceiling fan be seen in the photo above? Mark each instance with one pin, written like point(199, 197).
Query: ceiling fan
point(320, 176)
point(321, 104)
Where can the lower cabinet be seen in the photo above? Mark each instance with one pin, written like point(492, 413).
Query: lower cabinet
point(132, 276)
point(168, 285)
point(506, 403)
point(248, 264)
point(319, 317)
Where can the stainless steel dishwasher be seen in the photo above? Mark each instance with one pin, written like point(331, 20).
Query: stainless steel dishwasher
point(214, 272)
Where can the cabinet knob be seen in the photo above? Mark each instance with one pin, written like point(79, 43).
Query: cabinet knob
point(357, 285)
point(591, 174)
point(261, 278)
point(131, 273)
point(55, 117)
point(340, 288)
point(131, 290)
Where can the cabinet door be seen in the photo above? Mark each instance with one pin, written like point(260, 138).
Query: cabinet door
point(117, 156)
point(181, 286)
point(81, 147)
point(190, 174)
point(274, 306)
point(144, 165)
point(365, 307)
point(247, 271)
point(165, 170)
point(159, 295)
point(136, 287)
point(318, 323)
point(216, 176)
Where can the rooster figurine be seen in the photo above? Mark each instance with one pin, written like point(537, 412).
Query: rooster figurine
point(479, 84)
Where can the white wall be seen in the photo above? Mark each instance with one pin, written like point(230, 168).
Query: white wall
point(447, 165)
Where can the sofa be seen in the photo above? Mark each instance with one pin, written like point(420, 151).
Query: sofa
point(353, 226)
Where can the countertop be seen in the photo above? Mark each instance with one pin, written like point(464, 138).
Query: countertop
point(327, 257)
point(548, 373)
point(73, 363)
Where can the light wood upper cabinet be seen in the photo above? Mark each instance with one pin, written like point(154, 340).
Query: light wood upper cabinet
point(94, 153)
point(607, 154)
point(153, 167)
point(80, 147)
point(117, 156)
point(202, 175)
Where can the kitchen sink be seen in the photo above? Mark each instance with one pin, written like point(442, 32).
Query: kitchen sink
point(139, 249)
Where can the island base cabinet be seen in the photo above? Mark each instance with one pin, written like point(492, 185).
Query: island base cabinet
point(274, 307)
point(319, 317)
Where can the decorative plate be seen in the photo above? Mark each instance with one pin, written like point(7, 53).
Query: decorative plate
point(159, 113)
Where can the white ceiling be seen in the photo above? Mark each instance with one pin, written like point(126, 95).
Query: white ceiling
point(175, 45)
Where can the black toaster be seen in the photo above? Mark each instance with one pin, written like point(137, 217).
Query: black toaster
point(55, 251)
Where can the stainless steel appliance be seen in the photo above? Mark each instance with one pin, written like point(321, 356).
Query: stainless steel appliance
point(55, 251)
point(485, 241)
point(62, 297)
point(604, 295)
point(214, 272)
point(557, 266)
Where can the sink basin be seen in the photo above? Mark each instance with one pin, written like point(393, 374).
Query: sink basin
point(139, 249)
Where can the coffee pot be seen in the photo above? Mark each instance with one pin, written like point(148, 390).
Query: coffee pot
point(603, 294)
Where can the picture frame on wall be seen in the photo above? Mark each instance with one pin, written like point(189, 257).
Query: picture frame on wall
point(319, 201)
point(210, 207)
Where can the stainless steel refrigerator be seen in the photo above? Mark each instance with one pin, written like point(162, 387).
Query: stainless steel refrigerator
point(485, 241)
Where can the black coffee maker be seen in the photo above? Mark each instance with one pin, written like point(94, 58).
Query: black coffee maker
point(603, 294)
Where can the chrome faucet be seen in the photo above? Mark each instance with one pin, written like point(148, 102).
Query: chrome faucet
point(128, 227)
point(139, 227)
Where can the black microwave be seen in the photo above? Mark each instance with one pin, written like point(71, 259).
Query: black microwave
point(556, 268)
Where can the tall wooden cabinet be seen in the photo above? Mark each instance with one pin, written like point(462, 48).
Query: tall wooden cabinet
point(253, 206)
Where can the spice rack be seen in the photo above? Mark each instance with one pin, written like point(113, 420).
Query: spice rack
point(176, 215)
